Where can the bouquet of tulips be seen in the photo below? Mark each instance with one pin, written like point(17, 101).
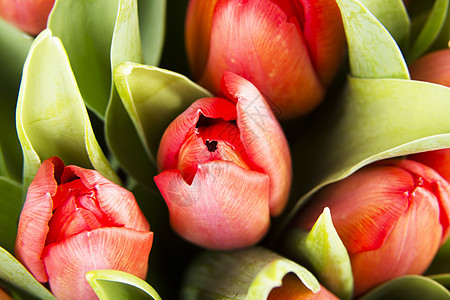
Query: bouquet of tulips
point(225, 149)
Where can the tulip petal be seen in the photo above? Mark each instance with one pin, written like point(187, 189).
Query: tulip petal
point(439, 160)
point(36, 213)
point(116, 202)
point(262, 137)
point(238, 46)
point(434, 67)
point(217, 211)
point(106, 248)
point(175, 134)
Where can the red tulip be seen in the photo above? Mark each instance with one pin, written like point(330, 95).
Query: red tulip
point(226, 168)
point(73, 221)
point(289, 49)
point(433, 67)
point(439, 160)
point(294, 289)
point(391, 216)
point(28, 15)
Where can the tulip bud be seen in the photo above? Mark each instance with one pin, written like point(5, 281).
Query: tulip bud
point(439, 160)
point(289, 49)
point(226, 168)
point(29, 16)
point(292, 288)
point(73, 221)
point(391, 216)
point(433, 67)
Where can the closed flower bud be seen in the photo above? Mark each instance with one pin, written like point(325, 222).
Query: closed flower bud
point(225, 168)
point(392, 217)
point(293, 289)
point(73, 221)
point(289, 49)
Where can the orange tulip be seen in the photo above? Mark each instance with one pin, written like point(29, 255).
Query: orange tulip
point(225, 168)
point(289, 49)
point(392, 217)
point(294, 289)
point(73, 221)
point(29, 16)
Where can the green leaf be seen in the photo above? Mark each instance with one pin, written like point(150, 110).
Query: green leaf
point(152, 98)
point(431, 29)
point(51, 117)
point(14, 273)
point(323, 250)
point(113, 284)
point(152, 21)
point(98, 43)
point(11, 205)
point(245, 274)
point(410, 287)
point(441, 262)
point(372, 50)
point(377, 119)
point(443, 279)
point(393, 15)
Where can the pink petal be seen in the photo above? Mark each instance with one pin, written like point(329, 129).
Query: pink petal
point(262, 137)
point(106, 248)
point(176, 133)
point(255, 40)
point(225, 207)
point(35, 215)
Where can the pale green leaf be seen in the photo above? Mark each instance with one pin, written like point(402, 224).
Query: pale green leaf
point(15, 274)
point(249, 274)
point(323, 250)
point(393, 15)
point(431, 29)
point(11, 205)
point(373, 52)
point(152, 21)
point(412, 287)
point(51, 118)
point(118, 285)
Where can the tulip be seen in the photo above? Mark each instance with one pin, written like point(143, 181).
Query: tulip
point(73, 221)
point(433, 67)
point(439, 160)
point(293, 289)
point(391, 216)
point(225, 167)
point(289, 49)
point(29, 16)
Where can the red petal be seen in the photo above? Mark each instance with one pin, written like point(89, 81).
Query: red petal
point(176, 133)
point(36, 213)
point(255, 40)
point(434, 67)
point(106, 248)
point(262, 137)
point(439, 160)
point(225, 207)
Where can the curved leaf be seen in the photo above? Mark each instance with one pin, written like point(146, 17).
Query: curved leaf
point(152, 98)
point(245, 274)
point(113, 284)
point(372, 50)
point(443, 279)
point(14, 273)
point(323, 250)
point(408, 287)
point(152, 21)
point(431, 29)
point(51, 116)
point(11, 205)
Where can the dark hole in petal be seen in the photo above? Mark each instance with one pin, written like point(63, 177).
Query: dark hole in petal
point(212, 145)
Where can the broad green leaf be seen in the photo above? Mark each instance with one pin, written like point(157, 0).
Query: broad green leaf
point(393, 15)
point(11, 205)
point(152, 98)
point(14, 273)
point(431, 29)
point(52, 119)
point(323, 250)
point(441, 262)
point(377, 119)
point(97, 35)
point(412, 287)
point(14, 46)
point(372, 50)
point(443, 279)
point(113, 284)
point(152, 22)
point(245, 274)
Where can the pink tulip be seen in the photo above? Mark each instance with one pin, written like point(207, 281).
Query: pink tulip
point(392, 217)
point(73, 221)
point(294, 289)
point(29, 16)
point(433, 67)
point(226, 168)
point(289, 49)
